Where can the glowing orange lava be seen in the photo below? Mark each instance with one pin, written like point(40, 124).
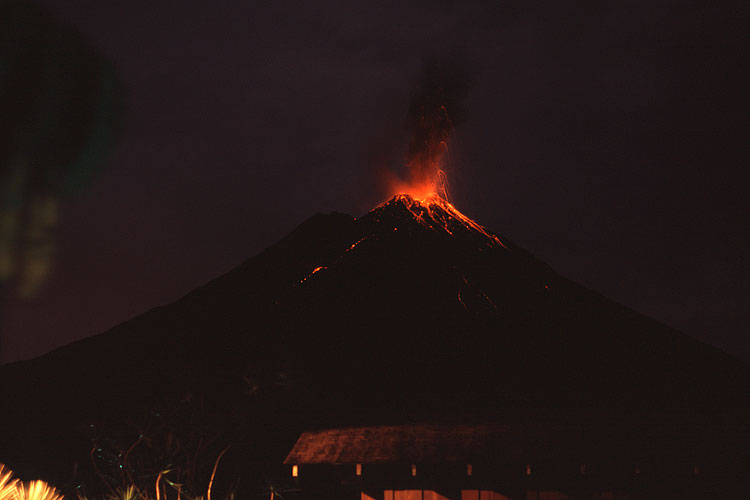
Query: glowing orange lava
point(421, 188)
point(425, 179)
point(441, 211)
point(426, 161)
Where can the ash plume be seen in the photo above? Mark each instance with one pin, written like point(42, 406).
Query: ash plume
point(436, 107)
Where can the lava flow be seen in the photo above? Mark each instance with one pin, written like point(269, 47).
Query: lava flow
point(435, 212)
point(422, 186)
point(424, 192)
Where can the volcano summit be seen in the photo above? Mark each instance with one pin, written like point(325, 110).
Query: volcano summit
point(411, 313)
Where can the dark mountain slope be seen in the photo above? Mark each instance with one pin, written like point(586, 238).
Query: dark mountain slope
point(411, 313)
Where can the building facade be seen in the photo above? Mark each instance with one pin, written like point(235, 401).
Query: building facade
point(483, 462)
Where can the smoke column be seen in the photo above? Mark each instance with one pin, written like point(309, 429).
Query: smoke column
point(436, 107)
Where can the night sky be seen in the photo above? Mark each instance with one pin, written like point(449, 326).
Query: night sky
point(610, 139)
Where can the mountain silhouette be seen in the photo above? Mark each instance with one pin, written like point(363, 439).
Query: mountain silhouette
point(410, 313)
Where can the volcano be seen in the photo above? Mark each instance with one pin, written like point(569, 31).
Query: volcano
point(411, 313)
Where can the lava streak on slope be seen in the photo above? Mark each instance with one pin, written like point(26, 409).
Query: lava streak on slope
point(432, 215)
point(436, 213)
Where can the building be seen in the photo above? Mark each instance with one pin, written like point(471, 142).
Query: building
point(494, 462)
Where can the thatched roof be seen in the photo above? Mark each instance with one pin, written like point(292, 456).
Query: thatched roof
point(517, 443)
point(406, 444)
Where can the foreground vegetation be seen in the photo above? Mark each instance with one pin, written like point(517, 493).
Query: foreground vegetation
point(12, 488)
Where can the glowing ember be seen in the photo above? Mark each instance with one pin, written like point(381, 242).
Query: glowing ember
point(425, 166)
point(434, 109)
point(435, 211)
point(317, 269)
point(421, 187)
point(354, 245)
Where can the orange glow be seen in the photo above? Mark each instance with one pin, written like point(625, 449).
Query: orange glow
point(213, 473)
point(8, 484)
point(433, 495)
point(422, 188)
point(469, 494)
point(13, 489)
point(427, 159)
point(438, 210)
point(156, 486)
point(37, 490)
point(407, 495)
point(295, 471)
point(413, 470)
point(354, 245)
point(469, 470)
point(425, 183)
point(359, 469)
point(317, 269)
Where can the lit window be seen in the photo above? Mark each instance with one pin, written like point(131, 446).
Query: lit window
point(528, 469)
point(468, 469)
point(413, 470)
point(295, 471)
point(359, 469)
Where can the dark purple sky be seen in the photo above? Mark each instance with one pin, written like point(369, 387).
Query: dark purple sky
point(608, 138)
